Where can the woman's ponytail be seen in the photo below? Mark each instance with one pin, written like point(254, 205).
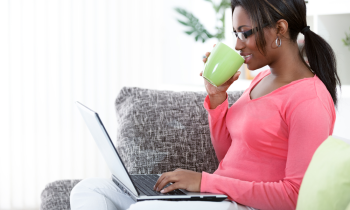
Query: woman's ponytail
point(322, 61)
point(320, 55)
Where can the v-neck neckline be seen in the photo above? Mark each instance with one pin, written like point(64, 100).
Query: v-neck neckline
point(276, 90)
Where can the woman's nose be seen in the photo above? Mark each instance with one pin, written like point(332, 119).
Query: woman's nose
point(239, 44)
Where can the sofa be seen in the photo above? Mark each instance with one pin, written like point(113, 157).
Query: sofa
point(158, 131)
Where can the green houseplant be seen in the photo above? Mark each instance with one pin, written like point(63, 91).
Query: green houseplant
point(346, 41)
point(197, 29)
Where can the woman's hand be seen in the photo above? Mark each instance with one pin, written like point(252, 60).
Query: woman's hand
point(181, 179)
point(221, 90)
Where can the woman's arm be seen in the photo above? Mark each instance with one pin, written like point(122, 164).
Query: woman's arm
point(219, 133)
point(310, 123)
point(217, 105)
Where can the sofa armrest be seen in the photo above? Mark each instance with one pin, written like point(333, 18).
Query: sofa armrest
point(56, 194)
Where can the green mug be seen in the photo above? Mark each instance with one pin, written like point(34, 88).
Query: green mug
point(222, 64)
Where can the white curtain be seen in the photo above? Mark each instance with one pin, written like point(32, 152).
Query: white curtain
point(53, 53)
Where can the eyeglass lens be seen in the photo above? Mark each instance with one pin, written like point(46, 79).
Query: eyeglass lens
point(240, 36)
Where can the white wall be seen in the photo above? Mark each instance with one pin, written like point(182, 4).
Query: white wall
point(331, 21)
point(332, 28)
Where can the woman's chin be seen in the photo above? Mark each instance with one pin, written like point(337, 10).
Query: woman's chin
point(253, 67)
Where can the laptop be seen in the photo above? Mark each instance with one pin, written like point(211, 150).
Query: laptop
point(138, 187)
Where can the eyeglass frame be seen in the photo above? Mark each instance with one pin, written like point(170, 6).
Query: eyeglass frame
point(247, 33)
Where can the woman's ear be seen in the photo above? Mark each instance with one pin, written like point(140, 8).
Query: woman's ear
point(282, 28)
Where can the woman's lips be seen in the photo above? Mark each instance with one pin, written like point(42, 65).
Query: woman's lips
point(247, 58)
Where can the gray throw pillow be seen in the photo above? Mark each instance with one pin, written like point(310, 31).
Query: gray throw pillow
point(159, 131)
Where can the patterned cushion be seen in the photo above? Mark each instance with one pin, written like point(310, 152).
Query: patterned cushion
point(55, 196)
point(160, 131)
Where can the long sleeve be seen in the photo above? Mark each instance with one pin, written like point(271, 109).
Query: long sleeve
point(219, 134)
point(277, 158)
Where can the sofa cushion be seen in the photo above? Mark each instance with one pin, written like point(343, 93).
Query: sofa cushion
point(56, 194)
point(159, 131)
point(326, 184)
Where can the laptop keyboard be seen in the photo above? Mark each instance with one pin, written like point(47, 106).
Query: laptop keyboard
point(145, 183)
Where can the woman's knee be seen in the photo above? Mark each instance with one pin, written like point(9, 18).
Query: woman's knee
point(86, 185)
point(98, 193)
point(92, 184)
point(88, 188)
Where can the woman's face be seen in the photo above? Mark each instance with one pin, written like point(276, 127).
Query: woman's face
point(253, 57)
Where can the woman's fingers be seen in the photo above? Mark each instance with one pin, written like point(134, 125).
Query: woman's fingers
point(232, 79)
point(181, 179)
point(166, 180)
point(171, 188)
point(235, 77)
point(160, 179)
point(205, 58)
point(200, 74)
point(207, 55)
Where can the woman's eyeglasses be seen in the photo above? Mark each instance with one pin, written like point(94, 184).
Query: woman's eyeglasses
point(244, 35)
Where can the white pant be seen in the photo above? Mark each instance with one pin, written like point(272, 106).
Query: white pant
point(103, 194)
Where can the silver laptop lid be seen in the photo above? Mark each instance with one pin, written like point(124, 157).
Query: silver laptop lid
point(106, 147)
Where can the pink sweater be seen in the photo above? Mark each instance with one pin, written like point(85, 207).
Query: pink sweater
point(264, 145)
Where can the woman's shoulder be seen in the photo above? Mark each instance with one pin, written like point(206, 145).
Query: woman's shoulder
point(310, 92)
point(310, 88)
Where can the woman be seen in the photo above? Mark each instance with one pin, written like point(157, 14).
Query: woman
point(265, 141)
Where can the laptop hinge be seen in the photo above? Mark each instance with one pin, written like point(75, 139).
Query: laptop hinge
point(124, 188)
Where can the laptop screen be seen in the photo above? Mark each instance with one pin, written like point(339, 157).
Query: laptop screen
point(106, 147)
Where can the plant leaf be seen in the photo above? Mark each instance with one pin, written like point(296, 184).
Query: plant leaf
point(344, 42)
point(225, 4)
point(183, 23)
point(196, 38)
point(209, 35)
point(181, 11)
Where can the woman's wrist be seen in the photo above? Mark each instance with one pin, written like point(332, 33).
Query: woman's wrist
point(217, 99)
point(218, 95)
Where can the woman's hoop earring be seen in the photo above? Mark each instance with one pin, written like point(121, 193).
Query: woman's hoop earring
point(278, 42)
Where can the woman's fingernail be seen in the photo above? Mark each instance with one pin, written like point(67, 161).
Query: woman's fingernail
point(157, 189)
point(162, 191)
